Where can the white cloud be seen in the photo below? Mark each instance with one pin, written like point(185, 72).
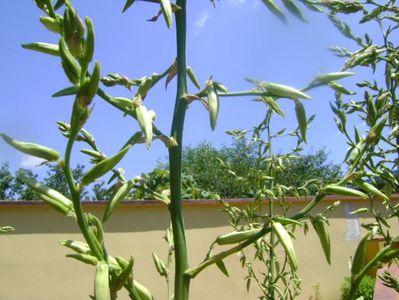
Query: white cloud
point(29, 162)
point(202, 19)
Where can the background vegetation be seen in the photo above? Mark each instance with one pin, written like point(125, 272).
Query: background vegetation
point(203, 176)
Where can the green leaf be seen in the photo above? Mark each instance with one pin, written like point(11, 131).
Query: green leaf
point(5, 229)
point(72, 90)
point(166, 8)
point(126, 274)
point(272, 103)
point(222, 267)
point(213, 105)
point(301, 118)
point(285, 240)
point(159, 265)
point(320, 226)
point(79, 247)
point(142, 291)
point(273, 7)
point(193, 77)
point(45, 48)
point(119, 196)
point(33, 149)
point(344, 28)
point(372, 190)
point(328, 77)
point(103, 167)
point(127, 5)
point(340, 88)
point(85, 258)
point(145, 117)
point(343, 191)
point(284, 91)
point(294, 9)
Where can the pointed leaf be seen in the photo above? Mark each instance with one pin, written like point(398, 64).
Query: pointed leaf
point(66, 92)
point(45, 48)
point(119, 196)
point(159, 265)
point(167, 12)
point(272, 103)
point(193, 77)
point(328, 77)
point(284, 91)
point(372, 190)
point(155, 18)
point(52, 197)
point(213, 105)
point(85, 258)
point(36, 150)
point(222, 267)
point(343, 191)
point(127, 5)
point(340, 88)
point(285, 240)
point(294, 9)
point(301, 118)
point(142, 291)
point(103, 167)
point(126, 274)
point(273, 7)
point(320, 226)
point(359, 259)
point(144, 117)
point(77, 246)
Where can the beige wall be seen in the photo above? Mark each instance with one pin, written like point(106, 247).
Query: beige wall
point(33, 265)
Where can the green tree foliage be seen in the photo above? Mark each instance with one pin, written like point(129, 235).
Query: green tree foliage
point(13, 188)
point(365, 289)
point(6, 179)
point(56, 180)
point(310, 166)
point(158, 181)
point(20, 190)
point(101, 192)
point(202, 170)
point(202, 162)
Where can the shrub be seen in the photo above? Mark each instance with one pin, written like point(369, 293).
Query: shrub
point(365, 289)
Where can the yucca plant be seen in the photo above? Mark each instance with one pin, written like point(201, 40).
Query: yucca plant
point(373, 153)
point(75, 49)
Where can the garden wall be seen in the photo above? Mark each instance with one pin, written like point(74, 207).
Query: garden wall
point(33, 265)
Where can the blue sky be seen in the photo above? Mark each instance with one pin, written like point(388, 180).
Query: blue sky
point(238, 39)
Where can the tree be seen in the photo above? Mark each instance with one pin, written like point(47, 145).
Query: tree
point(12, 187)
point(310, 166)
point(22, 191)
point(6, 180)
point(202, 162)
point(55, 179)
point(157, 182)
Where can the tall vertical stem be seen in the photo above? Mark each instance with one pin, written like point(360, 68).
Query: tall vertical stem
point(182, 281)
point(272, 258)
point(75, 195)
